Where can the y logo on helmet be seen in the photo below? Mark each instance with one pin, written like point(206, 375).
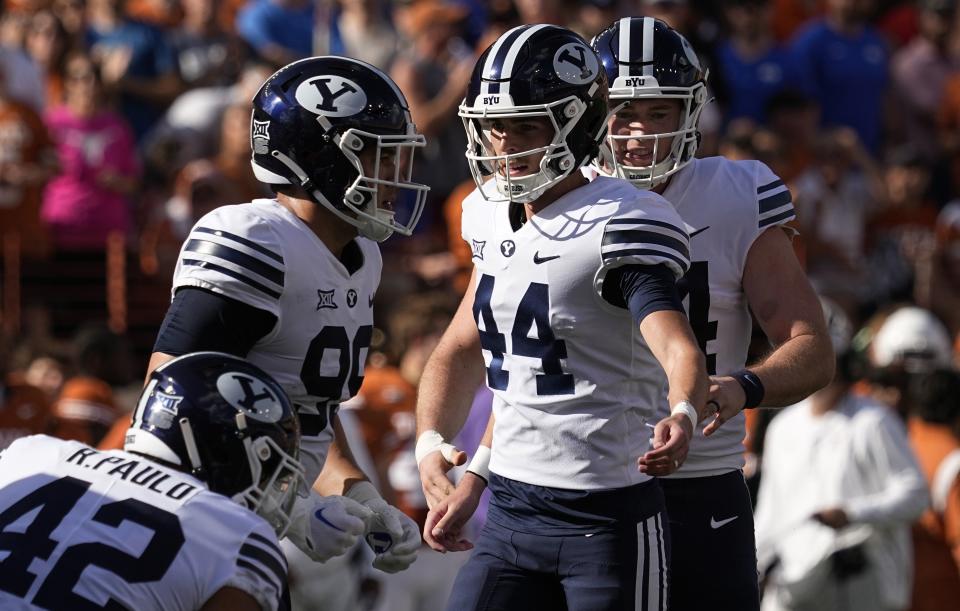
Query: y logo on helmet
point(575, 63)
point(250, 396)
point(331, 96)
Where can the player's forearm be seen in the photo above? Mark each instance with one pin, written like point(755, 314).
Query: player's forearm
point(687, 378)
point(340, 470)
point(798, 367)
point(447, 386)
point(669, 337)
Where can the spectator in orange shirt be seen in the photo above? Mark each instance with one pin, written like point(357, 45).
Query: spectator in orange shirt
point(933, 432)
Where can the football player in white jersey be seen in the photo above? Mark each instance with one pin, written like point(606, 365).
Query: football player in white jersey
point(574, 315)
point(289, 282)
point(186, 517)
point(741, 261)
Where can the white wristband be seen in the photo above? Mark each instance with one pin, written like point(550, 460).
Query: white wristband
point(362, 492)
point(480, 464)
point(432, 441)
point(686, 408)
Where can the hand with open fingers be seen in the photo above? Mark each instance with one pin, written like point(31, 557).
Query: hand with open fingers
point(433, 474)
point(445, 522)
point(392, 535)
point(327, 526)
point(726, 396)
point(671, 441)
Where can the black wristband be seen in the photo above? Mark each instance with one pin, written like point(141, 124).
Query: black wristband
point(752, 387)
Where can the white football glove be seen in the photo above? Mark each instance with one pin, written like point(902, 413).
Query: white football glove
point(391, 534)
point(327, 526)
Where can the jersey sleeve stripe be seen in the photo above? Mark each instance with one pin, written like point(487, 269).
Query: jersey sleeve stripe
point(271, 546)
point(633, 252)
point(251, 552)
point(644, 221)
point(783, 216)
point(246, 564)
point(769, 187)
point(241, 259)
point(242, 240)
point(233, 274)
point(773, 202)
point(639, 236)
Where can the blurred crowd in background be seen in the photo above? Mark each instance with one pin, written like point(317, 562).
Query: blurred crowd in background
point(124, 121)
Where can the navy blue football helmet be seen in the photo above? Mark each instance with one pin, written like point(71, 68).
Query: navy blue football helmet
point(645, 58)
point(535, 71)
point(226, 422)
point(314, 123)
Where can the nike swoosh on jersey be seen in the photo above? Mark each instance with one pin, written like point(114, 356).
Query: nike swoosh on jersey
point(319, 515)
point(538, 260)
point(701, 230)
point(714, 524)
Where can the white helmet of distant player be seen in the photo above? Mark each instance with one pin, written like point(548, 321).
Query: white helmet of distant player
point(914, 339)
point(647, 59)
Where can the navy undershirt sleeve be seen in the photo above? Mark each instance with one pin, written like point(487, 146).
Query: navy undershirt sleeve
point(643, 289)
point(202, 320)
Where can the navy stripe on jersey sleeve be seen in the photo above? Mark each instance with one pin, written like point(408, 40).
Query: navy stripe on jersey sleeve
point(233, 274)
point(237, 257)
point(262, 556)
point(633, 237)
point(774, 204)
point(769, 186)
point(242, 240)
point(646, 240)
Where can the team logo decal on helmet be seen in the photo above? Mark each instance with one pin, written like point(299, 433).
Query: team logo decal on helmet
point(251, 396)
point(260, 134)
point(574, 63)
point(166, 410)
point(331, 95)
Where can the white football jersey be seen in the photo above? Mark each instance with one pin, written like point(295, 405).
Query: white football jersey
point(573, 380)
point(726, 205)
point(83, 529)
point(263, 255)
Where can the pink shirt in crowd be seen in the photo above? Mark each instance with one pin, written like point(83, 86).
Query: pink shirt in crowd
point(80, 213)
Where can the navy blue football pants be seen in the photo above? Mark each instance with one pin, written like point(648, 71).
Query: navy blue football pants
point(616, 568)
point(713, 565)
